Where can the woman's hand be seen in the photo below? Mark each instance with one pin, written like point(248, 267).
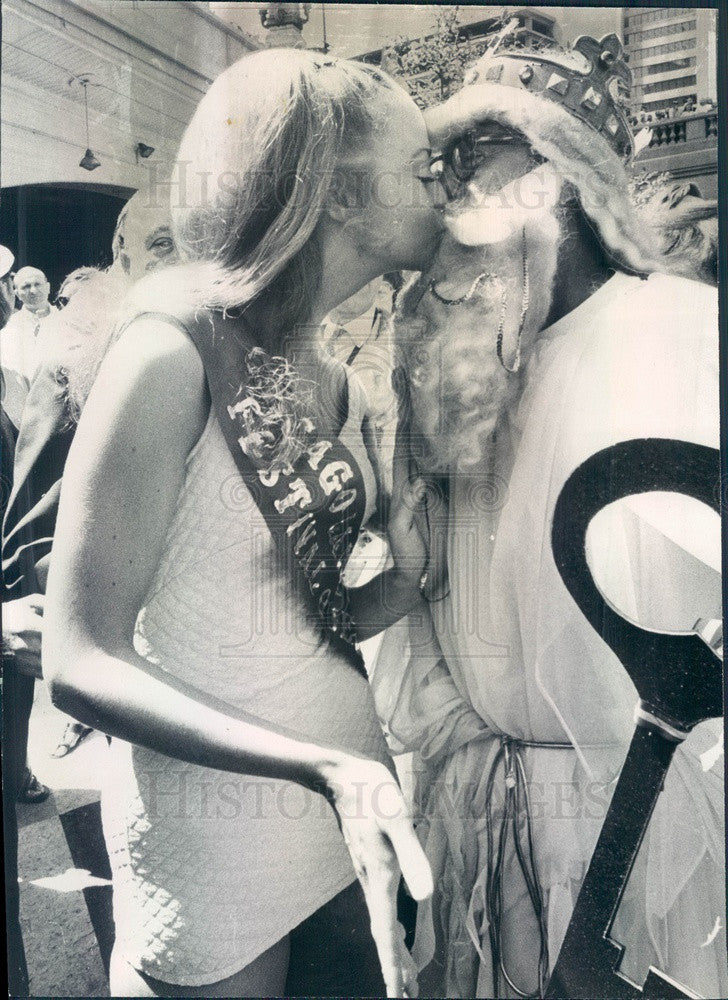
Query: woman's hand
point(407, 545)
point(391, 595)
point(382, 843)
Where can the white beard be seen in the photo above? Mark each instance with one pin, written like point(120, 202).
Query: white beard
point(458, 387)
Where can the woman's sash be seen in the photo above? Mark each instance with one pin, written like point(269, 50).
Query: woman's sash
point(314, 506)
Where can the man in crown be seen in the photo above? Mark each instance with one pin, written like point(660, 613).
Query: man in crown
point(553, 324)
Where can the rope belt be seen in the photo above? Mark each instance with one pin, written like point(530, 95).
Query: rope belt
point(516, 797)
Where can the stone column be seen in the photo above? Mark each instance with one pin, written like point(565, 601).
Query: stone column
point(285, 22)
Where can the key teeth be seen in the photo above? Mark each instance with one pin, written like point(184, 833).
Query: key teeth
point(710, 630)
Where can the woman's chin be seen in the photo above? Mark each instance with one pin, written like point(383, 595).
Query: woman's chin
point(425, 252)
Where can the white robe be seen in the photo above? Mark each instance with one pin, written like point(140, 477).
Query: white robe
point(509, 652)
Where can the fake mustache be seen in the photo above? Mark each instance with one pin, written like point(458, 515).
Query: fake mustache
point(479, 219)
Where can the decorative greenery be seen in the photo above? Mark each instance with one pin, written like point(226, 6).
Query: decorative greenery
point(434, 66)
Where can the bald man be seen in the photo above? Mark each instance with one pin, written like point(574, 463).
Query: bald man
point(79, 335)
point(21, 340)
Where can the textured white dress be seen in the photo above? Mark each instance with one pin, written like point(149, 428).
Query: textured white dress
point(210, 868)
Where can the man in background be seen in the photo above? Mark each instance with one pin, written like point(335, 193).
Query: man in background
point(22, 343)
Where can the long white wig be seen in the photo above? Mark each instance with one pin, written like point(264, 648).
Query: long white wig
point(457, 388)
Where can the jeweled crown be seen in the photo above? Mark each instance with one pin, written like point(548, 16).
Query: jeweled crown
point(591, 79)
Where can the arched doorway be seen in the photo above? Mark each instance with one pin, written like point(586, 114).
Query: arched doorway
point(59, 227)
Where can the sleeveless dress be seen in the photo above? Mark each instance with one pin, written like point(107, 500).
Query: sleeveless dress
point(508, 654)
point(210, 868)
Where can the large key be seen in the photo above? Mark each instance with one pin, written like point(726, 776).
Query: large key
point(679, 682)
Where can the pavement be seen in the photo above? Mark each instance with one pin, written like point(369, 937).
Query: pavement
point(63, 868)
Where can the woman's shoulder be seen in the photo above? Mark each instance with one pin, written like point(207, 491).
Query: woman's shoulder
point(172, 294)
point(150, 341)
point(156, 321)
point(153, 366)
point(150, 392)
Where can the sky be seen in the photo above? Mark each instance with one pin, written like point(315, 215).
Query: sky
point(352, 29)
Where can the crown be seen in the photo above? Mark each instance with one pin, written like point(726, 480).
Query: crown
point(591, 79)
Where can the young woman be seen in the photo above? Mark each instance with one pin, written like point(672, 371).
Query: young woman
point(173, 623)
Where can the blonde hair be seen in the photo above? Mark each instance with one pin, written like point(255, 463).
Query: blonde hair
point(270, 135)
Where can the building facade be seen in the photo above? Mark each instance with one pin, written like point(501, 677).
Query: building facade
point(146, 65)
point(672, 55)
point(685, 146)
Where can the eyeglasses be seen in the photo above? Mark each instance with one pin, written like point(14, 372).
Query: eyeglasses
point(458, 164)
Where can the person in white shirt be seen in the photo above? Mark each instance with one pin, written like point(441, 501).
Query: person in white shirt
point(22, 344)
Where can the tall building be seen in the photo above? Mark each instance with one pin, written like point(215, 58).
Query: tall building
point(672, 54)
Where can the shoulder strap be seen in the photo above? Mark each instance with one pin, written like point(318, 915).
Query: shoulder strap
point(314, 507)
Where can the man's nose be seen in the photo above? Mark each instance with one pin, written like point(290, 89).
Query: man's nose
point(474, 192)
point(439, 195)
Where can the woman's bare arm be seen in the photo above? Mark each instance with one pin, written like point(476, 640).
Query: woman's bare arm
point(121, 484)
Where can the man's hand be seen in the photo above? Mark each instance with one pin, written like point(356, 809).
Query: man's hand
point(22, 633)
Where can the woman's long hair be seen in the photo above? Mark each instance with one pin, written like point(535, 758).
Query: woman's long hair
point(262, 152)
